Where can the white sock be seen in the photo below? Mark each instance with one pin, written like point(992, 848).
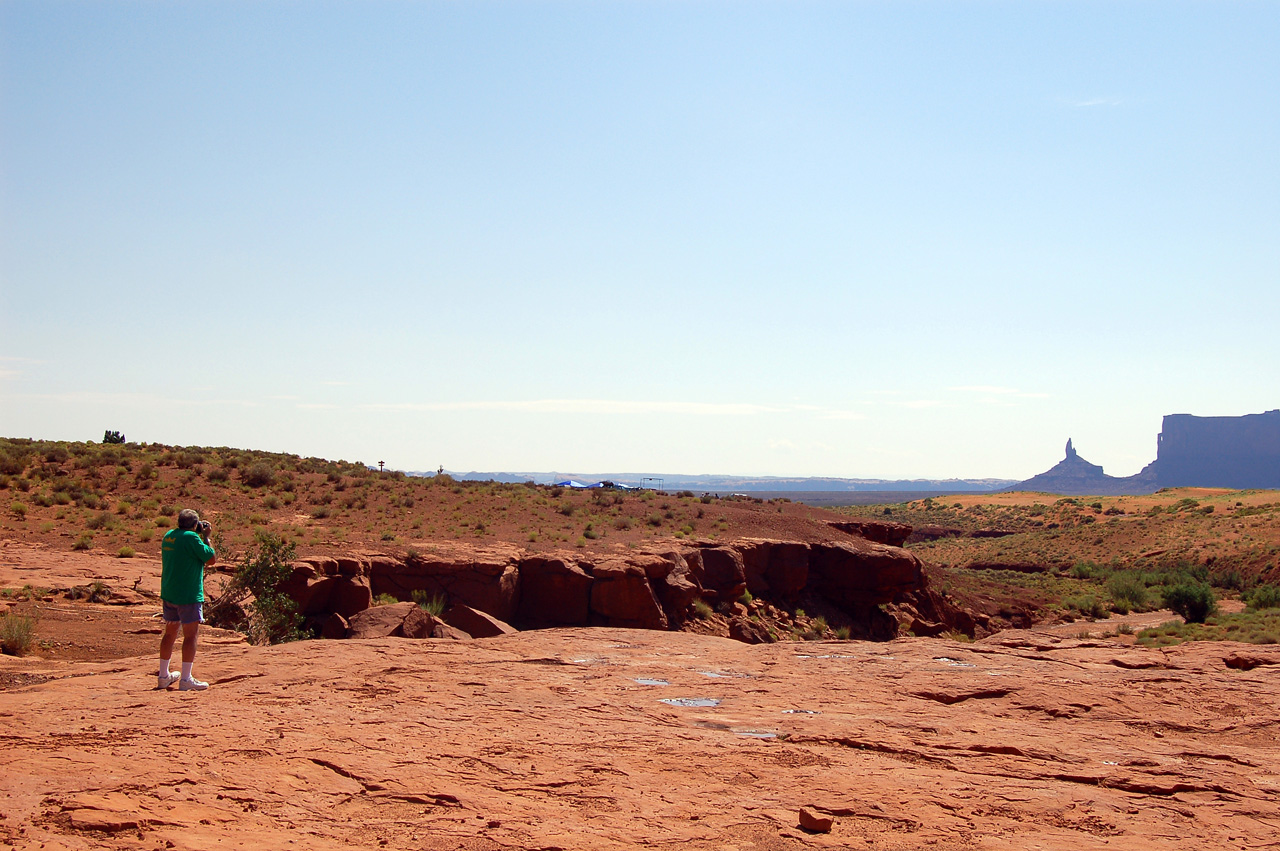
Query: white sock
point(186, 670)
point(164, 667)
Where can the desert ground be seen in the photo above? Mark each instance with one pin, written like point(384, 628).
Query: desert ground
point(1066, 733)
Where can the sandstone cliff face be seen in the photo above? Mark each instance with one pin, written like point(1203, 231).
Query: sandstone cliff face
point(1227, 452)
point(654, 589)
point(1210, 452)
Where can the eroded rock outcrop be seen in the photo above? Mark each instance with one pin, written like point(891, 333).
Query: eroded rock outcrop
point(491, 589)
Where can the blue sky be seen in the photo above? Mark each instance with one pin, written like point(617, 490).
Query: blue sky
point(913, 239)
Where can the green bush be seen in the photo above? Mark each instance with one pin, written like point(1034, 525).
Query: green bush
point(17, 632)
point(1193, 600)
point(1128, 591)
point(126, 552)
point(432, 604)
point(258, 475)
point(1263, 597)
point(112, 437)
point(84, 542)
point(702, 610)
point(385, 600)
point(1087, 605)
point(19, 510)
point(272, 616)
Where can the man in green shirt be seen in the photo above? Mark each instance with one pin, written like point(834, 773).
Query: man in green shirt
point(184, 553)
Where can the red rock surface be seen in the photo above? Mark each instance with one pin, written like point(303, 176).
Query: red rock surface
point(560, 739)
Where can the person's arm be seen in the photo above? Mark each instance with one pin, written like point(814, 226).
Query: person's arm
point(207, 555)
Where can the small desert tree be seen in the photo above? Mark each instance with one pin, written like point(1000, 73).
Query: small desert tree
point(252, 601)
point(1193, 600)
point(112, 437)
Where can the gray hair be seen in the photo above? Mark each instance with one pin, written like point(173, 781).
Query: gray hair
point(187, 519)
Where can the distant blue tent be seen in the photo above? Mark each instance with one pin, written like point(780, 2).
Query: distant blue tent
point(570, 483)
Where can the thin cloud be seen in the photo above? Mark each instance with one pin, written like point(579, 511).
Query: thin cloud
point(992, 390)
point(585, 406)
point(983, 388)
point(1092, 102)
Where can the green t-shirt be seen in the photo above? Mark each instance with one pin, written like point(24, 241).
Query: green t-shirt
point(183, 554)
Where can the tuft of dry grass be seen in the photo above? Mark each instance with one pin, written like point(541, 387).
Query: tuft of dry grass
point(17, 633)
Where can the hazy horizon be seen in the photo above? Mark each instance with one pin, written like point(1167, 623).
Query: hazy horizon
point(854, 240)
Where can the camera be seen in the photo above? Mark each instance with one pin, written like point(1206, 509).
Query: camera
point(204, 527)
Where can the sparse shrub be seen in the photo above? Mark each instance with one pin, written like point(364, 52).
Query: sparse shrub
point(1128, 590)
point(622, 523)
point(319, 513)
point(17, 632)
point(702, 610)
point(432, 604)
point(18, 510)
point(1264, 597)
point(654, 520)
point(218, 474)
point(1124, 629)
point(746, 598)
point(1087, 605)
point(163, 522)
point(258, 475)
point(98, 521)
point(388, 536)
point(126, 552)
point(168, 510)
point(843, 632)
point(272, 616)
point(95, 592)
point(1193, 600)
point(1232, 579)
point(1083, 569)
point(112, 437)
point(590, 532)
point(385, 600)
point(84, 542)
point(271, 501)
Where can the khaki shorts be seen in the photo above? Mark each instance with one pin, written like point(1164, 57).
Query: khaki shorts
point(192, 613)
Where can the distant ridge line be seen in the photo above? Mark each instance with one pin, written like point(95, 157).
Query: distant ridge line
point(745, 484)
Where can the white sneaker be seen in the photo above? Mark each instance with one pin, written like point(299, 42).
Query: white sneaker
point(191, 684)
point(164, 681)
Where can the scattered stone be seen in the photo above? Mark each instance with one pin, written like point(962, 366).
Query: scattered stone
point(815, 822)
point(475, 623)
point(749, 631)
point(1246, 661)
point(380, 621)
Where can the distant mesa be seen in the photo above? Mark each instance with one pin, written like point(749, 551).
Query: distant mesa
point(1210, 452)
